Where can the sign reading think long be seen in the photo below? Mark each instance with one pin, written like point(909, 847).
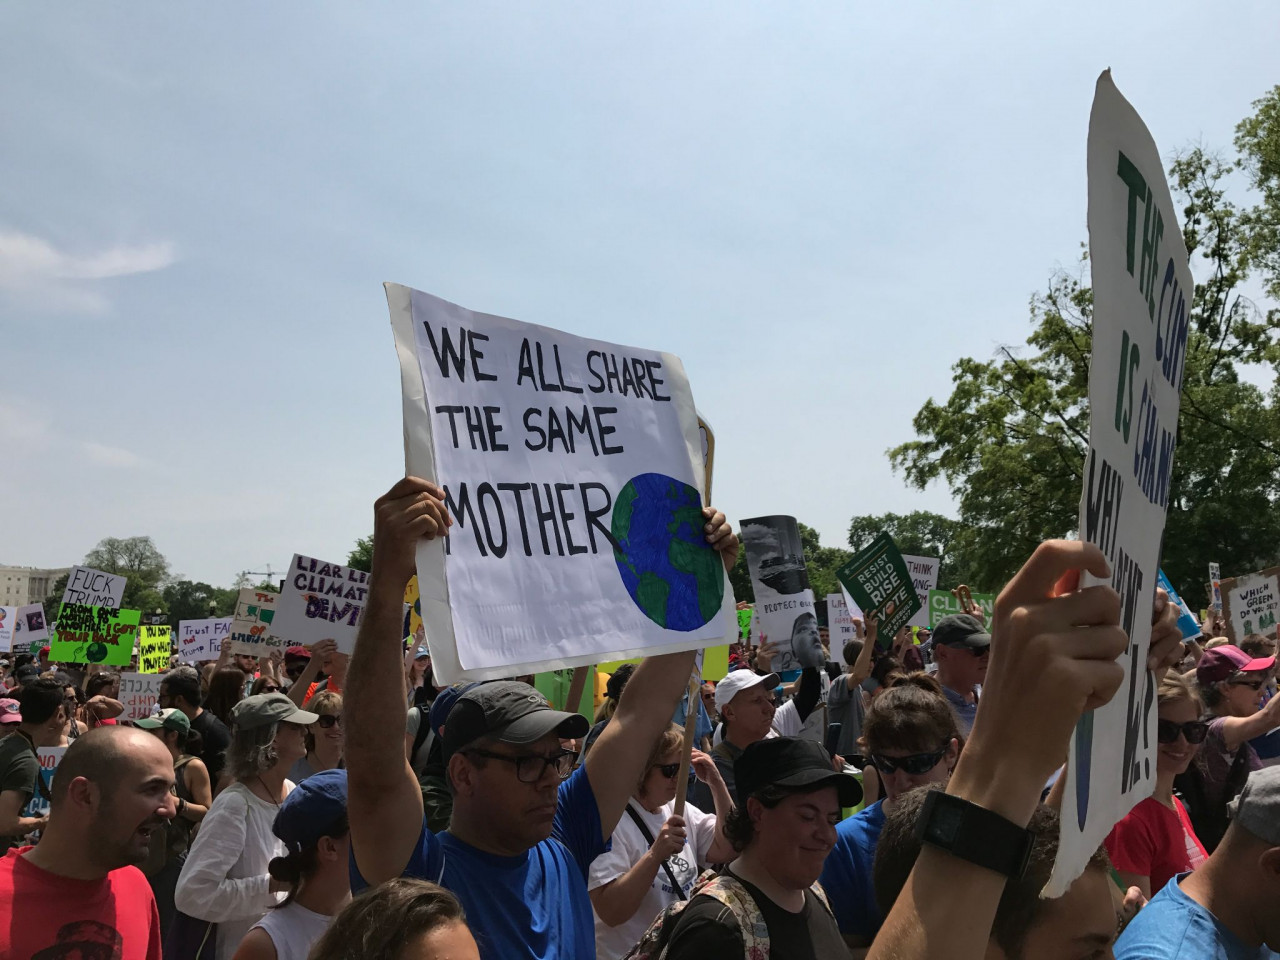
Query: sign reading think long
point(1142, 290)
point(573, 472)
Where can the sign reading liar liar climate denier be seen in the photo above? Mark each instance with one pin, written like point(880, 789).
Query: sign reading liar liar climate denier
point(320, 601)
point(1142, 290)
point(251, 624)
point(573, 472)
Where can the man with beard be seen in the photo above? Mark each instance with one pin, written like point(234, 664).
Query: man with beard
point(110, 792)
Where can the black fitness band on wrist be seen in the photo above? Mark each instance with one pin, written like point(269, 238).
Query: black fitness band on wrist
point(973, 833)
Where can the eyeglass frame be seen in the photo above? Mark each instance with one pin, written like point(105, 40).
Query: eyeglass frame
point(1180, 730)
point(895, 764)
point(335, 720)
point(521, 761)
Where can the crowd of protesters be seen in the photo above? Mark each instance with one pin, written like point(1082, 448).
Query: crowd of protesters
point(314, 804)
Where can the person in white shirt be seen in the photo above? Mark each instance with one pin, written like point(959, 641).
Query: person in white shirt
point(225, 878)
point(656, 856)
point(312, 824)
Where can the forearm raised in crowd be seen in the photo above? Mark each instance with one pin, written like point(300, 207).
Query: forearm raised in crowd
point(373, 704)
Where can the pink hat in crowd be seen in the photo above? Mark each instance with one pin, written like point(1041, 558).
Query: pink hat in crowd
point(1221, 662)
point(10, 711)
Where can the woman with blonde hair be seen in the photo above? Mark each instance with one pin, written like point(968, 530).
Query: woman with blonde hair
point(325, 739)
point(655, 856)
point(1156, 841)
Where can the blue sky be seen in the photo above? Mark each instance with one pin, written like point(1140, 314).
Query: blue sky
point(818, 206)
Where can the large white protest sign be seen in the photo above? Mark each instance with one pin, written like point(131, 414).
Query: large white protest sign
point(31, 626)
point(924, 575)
point(1251, 604)
point(320, 601)
point(93, 588)
point(840, 628)
point(1142, 290)
point(250, 632)
point(200, 640)
point(139, 692)
point(784, 600)
point(573, 470)
point(8, 627)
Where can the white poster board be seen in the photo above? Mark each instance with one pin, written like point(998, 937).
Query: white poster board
point(573, 470)
point(1251, 604)
point(200, 640)
point(320, 601)
point(250, 632)
point(783, 598)
point(924, 575)
point(31, 627)
point(93, 588)
point(8, 627)
point(139, 692)
point(840, 628)
point(1142, 290)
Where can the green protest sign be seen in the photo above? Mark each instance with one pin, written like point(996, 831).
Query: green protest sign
point(744, 625)
point(943, 604)
point(94, 635)
point(878, 581)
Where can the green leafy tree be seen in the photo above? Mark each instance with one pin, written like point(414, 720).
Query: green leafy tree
point(361, 555)
point(188, 600)
point(1011, 439)
point(922, 533)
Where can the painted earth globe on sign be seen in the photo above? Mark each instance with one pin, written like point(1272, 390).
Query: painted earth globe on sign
point(669, 569)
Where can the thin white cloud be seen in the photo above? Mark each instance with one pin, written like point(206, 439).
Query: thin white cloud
point(39, 274)
point(20, 426)
point(107, 456)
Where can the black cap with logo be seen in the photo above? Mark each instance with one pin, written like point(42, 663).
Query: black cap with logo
point(511, 712)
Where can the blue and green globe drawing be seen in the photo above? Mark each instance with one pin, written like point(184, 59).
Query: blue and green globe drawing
point(667, 566)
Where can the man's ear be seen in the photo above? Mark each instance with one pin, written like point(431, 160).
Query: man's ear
point(461, 774)
point(1269, 863)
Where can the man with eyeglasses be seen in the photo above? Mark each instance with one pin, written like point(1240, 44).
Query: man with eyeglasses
point(962, 650)
point(525, 825)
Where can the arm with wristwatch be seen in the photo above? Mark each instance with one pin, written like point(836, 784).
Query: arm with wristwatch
point(1053, 656)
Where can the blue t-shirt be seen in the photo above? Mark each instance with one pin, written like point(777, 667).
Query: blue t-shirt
point(531, 907)
point(1174, 927)
point(702, 726)
point(963, 709)
point(846, 876)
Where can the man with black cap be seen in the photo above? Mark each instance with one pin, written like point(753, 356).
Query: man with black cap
point(1230, 906)
point(961, 648)
point(789, 802)
point(525, 825)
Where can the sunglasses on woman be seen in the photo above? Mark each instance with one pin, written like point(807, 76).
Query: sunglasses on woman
point(914, 765)
point(327, 721)
point(670, 770)
point(269, 688)
point(1251, 684)
point(1194, 730)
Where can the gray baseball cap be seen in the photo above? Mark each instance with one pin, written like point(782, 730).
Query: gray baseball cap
point(266, 708)
point(510, 711)
point(1257, 809)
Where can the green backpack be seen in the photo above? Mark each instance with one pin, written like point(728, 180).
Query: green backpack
point(729, 891)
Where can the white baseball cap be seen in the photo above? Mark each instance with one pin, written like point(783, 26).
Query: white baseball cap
point(739, 680)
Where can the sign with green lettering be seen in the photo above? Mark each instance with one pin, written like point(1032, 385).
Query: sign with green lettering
point(879, 582)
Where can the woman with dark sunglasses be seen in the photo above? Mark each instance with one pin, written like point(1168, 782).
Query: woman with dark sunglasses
point(913, 738)
point(653, 850)
point(325, 739)
point(1156, 840)
point(1230, 682)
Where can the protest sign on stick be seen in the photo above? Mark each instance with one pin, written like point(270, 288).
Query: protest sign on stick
point(320, 601)
point(200, 640)
point(1251, 604)
point(784, 600)
point(154, 648)
point(30, 628)
point(94, 635)
point(139, 693)
point(924, 577)
point(573, 472)
point(1215, 586)
point(1142, 291)
point(1187, 623)
point(8, 627)
point(250, 632)
point(93, 588)
point(840, 622)
point(944, 603)
point(879, 582)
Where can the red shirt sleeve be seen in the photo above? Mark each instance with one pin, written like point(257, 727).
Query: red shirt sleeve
point(1132, 842)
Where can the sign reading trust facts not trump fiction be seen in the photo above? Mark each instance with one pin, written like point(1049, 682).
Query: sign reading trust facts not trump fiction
point(572, 470)
point(1142, 290)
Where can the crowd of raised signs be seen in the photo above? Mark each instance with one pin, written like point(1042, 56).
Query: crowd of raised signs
point(898, 801)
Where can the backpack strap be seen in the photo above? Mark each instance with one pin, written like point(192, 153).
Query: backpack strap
point(728, 890)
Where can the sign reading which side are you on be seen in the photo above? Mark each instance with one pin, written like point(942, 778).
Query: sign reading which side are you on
point(573, 471)
point(1142, 290)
